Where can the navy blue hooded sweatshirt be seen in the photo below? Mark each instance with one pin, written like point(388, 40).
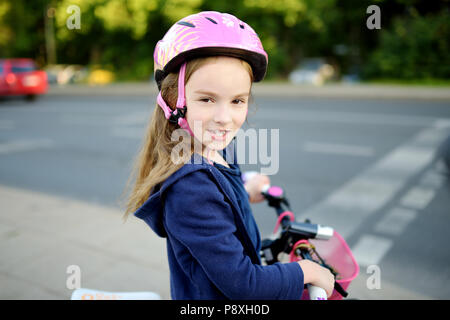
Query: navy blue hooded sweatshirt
point(210, 250)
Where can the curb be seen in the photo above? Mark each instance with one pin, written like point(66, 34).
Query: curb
point(356, 91)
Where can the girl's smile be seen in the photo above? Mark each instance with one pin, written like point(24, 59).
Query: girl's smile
point(219, 135)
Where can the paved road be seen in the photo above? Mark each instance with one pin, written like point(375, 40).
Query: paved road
point(362, 165)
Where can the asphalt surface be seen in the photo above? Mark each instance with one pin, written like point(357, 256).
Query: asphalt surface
point(360, 163)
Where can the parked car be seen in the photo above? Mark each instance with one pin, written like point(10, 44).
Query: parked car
point(313, 71)
point(20, 76)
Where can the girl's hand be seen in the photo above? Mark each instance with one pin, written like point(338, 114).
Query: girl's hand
point(254, 187)
point(317, 275)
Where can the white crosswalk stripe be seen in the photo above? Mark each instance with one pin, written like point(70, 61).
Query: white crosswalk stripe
point(395, 221)
point(370, 250)
point(418, 198)
point(349, 206)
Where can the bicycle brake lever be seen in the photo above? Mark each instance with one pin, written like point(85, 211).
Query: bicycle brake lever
point(340, 290)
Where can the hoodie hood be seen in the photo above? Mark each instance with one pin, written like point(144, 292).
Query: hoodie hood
point(152, 211)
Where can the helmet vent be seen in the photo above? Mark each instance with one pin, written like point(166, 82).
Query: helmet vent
point(242, 26)
point(187, 24)
point(211, 20)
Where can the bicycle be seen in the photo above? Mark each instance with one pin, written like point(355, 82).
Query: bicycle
point(91, 294)
point(297, 239)
point(305, 241)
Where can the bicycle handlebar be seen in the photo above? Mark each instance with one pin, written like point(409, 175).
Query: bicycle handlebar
point(305, 230)
point(293, 231)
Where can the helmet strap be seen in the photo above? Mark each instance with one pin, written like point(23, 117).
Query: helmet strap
point(178, 116)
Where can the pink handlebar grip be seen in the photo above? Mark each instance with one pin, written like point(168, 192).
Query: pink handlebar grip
point(275, 191)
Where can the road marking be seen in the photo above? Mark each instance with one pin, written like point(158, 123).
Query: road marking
point(133, 119)
point(430, 136)
point(25, 145)
point(370, 250)
point(367, 193)
point(347, 207)
point(432, 179)
point(418, 198)
point(82, 120)
point(442, 123)
point(340, 149)
point(395, 221)
point(351, 117)
point(405, 160)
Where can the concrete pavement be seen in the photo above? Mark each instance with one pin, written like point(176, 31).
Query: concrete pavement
point(42, 235)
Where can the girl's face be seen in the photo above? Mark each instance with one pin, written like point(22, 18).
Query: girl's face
point(217, 101)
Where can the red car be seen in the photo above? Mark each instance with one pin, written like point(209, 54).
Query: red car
point(21, 77)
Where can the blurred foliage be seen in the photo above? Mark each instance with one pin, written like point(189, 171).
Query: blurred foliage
point(412, 44)
point(416, 47)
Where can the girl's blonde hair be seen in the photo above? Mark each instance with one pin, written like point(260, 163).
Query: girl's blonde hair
point(153, 164)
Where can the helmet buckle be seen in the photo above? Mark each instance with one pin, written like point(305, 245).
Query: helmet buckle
point(177, 114)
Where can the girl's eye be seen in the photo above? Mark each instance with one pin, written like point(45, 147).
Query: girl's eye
point(235, 101)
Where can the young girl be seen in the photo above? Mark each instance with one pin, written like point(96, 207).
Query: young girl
point(204, 68)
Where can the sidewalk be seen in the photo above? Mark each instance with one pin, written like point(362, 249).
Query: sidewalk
point(264, 89)
point(41, 235)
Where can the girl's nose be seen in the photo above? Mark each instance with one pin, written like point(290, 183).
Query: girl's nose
point(222, 113)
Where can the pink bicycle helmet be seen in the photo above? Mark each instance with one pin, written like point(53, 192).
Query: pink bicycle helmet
point(208, 33)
